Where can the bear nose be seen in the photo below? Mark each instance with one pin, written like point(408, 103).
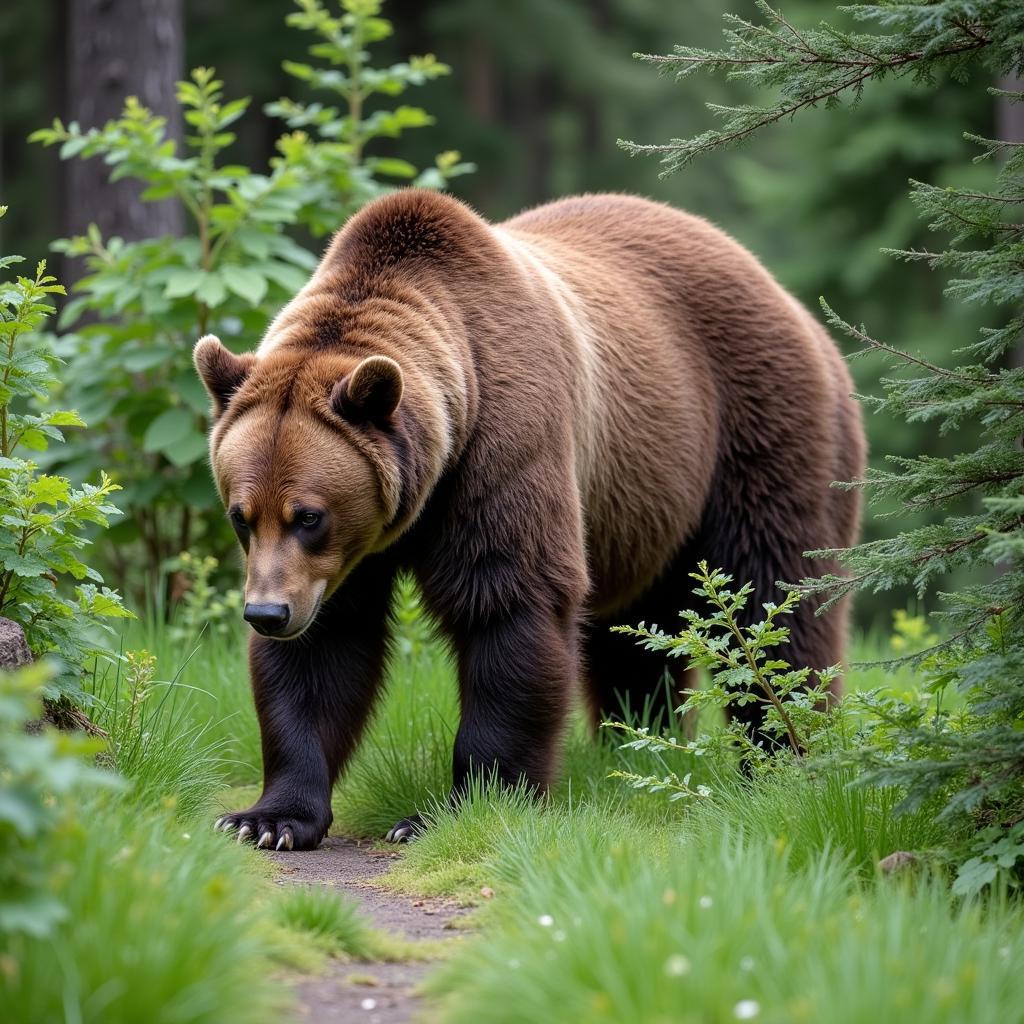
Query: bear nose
point(268, 619)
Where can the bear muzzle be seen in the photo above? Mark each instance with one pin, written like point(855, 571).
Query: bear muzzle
point(267, 619)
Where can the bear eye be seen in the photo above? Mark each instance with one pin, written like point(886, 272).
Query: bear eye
point(309, 519)
point(238, 518)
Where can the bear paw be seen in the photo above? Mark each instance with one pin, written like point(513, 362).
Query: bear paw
point(274, 831)
point(406, 830)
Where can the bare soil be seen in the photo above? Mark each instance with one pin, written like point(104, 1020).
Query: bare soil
point(365, 992)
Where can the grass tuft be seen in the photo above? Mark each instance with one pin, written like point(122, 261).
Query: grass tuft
point(328, 919)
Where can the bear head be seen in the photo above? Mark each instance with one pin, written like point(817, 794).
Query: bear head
point(300, 453)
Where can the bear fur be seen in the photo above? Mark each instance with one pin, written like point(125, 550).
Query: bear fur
point(549, 422)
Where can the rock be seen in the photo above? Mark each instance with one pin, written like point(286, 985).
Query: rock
point(897, 861)
point(14, 650)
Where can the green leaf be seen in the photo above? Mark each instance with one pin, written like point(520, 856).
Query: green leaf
point(394, 168)
point(187, 450)
point(170, 428)
point(212, 290)
point(49, 490)
point(27, 565)
point(65, 418)
point(245, 282)
point(183, 281)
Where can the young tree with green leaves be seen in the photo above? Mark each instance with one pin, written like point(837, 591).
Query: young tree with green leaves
point(969, 760)
point(44, 520)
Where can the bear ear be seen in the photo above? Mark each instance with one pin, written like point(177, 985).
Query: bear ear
point(220, 370)
point(370, 393)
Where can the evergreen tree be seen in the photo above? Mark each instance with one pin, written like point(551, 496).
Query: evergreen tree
point(963, 744)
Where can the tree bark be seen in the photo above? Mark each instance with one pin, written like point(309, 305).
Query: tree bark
point(116, 49)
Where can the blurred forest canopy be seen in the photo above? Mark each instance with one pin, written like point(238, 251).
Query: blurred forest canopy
point(539, 94)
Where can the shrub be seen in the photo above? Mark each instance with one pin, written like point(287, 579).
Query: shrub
point(44, 518)
point(204, 609)
point(971, 758)
point(37, 768)
point(744, 668)
point(148, 301)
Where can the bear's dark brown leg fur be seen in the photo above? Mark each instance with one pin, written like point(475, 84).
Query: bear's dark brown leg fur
point(313, 697)
point(621, 676)
point(516, 678)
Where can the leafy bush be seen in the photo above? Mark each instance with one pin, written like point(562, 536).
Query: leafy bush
point(969, 758)
point(143, 304)
point(744, 668)
point(37, 768)
point(44, 518)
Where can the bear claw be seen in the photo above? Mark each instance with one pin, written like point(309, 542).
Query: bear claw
point(271, 831)
point(405, 831)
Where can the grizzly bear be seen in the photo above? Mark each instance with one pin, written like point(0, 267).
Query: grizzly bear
point(548, 422)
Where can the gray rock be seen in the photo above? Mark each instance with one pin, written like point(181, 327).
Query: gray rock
point(14, 650)
point(898, 861)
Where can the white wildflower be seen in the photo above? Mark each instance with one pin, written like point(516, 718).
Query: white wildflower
point(677, 965)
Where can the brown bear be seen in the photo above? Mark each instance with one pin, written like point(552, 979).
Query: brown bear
point(548, 422)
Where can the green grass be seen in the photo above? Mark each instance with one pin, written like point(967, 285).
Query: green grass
point(166, 923)
point(809, 815)
point(598, 902)
point(716, 927)
point(327, 919)
point(205, 687)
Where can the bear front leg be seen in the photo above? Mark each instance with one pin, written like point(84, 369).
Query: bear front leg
point(516, 674)
point(516, 677)
point(313, 698)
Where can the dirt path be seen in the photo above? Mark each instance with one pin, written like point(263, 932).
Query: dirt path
point(351, 867)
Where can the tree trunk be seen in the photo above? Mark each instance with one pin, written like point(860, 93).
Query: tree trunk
point(116, 49)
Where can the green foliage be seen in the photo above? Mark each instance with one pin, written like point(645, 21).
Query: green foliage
point(341, 176)
point(812, 66)
point(968, 753)
point(203, 607)
point(44, 518)
point(744, 669)
point(38, 768)
point(143, 304)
